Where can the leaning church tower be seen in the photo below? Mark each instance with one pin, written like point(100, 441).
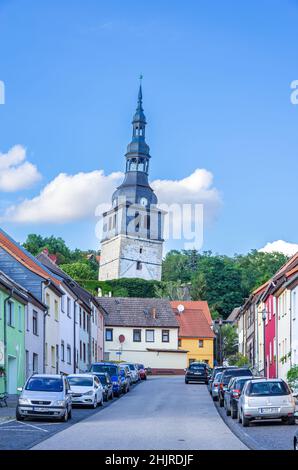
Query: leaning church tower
point(132, 240)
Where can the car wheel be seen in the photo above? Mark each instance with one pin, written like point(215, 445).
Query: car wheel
point(214, 398)
point(112, 396)
point(245, 421)
point(19, 417)
point(70, 413)
point(228, 412)
point(221, 402)
point(291, 420)
point(238, 416)
point(234, 413)
point(65, 417)
point(186, 381)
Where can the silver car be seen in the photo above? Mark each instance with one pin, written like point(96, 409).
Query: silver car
point(215, 386)
point(134, 374)
point(266, 399)
point(45, 396)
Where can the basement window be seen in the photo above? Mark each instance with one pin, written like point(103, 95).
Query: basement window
point(139, 266)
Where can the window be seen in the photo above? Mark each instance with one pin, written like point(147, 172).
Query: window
point(84, 321)
point(46, 354)
point(109, 334)
point(20, 318)
point(62, 353)
point(27, 318)
point(81, 350)
point(68, 307)
point(84, 352)
point(165, 335)
point(35, 363)
point(63, 303)
point(179, 343)
point(141, 250)
point(56, 305)
point(68, 354)
point(137, 336)
point(10, 313)
point(80, 317)
point(139, 266)
point(92, 347)
point(149, 336)
point(35, 322)
point(48, 303)
point(201, 343)
point(53, 356)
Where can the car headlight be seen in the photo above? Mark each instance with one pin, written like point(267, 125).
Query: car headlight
point(89, 393)
point(60, 403)
point(24, 401)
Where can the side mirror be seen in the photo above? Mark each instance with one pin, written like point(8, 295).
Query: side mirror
point(20, 389)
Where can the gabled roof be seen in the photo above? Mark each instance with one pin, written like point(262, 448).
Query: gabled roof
point(138, 312)
point(20, 291)
point(24, 257)
point(194, 305)
point(193, 320)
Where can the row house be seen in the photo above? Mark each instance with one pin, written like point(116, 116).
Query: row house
point(275, 332)
point(64, 323)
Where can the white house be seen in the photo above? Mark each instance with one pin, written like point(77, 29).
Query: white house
point(35, 312)
point(143, 331)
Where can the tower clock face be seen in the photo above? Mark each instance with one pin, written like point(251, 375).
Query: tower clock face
point(143, 201)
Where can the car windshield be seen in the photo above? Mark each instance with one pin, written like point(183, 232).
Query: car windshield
point(110, 369)
point(196, 367)
point(80, 381)
point(264, 389)
point(234, 373)
point(44, 384)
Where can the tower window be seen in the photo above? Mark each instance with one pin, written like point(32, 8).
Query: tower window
point(139, 265)
point(141, 250)
point(137, 221)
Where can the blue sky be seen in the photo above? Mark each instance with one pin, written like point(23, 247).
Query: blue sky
point(216, 88)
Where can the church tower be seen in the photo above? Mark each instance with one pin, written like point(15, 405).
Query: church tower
point(132, 241)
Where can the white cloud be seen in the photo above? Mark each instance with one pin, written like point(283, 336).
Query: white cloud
point(281, 246)
point(75, 197)
point(15, 172)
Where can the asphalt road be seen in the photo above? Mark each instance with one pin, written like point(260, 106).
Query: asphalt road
point(263, 435)
point(161, 413)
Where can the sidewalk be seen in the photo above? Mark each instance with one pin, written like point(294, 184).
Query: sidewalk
point(7, 413)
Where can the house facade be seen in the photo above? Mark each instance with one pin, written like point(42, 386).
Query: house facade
point(35, 312)
point(195, 330)
point(143, 331)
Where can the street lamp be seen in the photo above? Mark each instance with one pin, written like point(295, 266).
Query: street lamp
point(264, 317)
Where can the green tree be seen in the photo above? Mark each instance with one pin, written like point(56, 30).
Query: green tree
point(78, 270)
point(229, 341)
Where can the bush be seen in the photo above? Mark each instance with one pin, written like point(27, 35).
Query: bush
point(125, 287)
point(238, 360)
point(292, 377)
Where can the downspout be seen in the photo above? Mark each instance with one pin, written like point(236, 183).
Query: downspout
point(291, 328)
point(5, 339)
point(44, 284)
point(74, 337)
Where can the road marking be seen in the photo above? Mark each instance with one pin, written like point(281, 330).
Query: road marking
point(32, 426)
point(8, 421)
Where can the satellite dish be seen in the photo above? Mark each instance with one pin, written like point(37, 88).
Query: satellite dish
point(180, 308)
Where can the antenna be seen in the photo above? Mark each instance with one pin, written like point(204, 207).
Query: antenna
point(180, 308)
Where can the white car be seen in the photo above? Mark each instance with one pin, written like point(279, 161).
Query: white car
point(86, 390)
point(266, 399)
point(133, 370)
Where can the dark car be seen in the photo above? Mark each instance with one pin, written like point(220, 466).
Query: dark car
point(296, 441)
point(232, 395)
point(197, 372)
point(226, 377)
point(107, 385)
point(213, 374)
point(114, 372)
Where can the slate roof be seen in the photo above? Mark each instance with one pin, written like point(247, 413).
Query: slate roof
point(137, 312)
point(193, 321)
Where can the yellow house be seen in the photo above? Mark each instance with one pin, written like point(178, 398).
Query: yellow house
point(195, 333)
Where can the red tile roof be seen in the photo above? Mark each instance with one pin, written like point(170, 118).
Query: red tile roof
point(195, 321)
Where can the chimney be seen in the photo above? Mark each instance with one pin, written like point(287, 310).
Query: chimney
point(153, 312)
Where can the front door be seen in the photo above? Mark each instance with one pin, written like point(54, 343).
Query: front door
point(12, 375)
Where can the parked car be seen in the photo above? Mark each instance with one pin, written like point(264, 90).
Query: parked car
point(45, 396)
point(86, 390)
point(266, 399)
point(114, 372)
point(212, 376)
point(133, 372)
point(125, 378)
point(107, 385)
point(296, 441)
point(197, 372)
point(226, 377)
point(232, 395)
point(215, 386)
point(142, 372)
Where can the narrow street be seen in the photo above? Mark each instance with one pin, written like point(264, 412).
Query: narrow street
point(161, 413)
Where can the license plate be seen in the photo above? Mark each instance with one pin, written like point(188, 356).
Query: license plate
point(40, 410)
point(268, 410)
